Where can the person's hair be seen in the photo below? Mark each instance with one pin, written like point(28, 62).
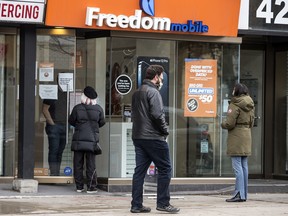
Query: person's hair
point(240, 89)
point(153, 70)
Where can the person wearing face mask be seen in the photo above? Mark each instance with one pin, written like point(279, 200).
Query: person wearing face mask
point(149, 134)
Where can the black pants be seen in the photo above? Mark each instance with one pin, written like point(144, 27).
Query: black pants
point(57, 142)
point(146, 152)
point(91, 174)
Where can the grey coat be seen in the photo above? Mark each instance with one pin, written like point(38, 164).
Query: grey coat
point(239, 121)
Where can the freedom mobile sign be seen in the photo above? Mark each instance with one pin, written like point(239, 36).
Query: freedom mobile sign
point(205, 17)
point(200, 88)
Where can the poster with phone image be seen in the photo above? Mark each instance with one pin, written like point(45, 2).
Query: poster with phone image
point(143, 62)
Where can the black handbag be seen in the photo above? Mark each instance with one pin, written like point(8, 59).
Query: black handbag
point(97, 150)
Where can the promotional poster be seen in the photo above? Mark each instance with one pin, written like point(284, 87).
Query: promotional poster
point(200, 88)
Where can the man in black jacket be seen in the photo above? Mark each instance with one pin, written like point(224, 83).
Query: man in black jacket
point(149, 133)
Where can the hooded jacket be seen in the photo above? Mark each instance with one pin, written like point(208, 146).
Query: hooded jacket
point(148, 113)
point(84, 117)
point(239, 121)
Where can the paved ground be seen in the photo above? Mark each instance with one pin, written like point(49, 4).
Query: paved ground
point(106, 204)
point(54, 200)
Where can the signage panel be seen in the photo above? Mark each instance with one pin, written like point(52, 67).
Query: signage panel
point(206, 17)
point(264, 15)
point(22, 11)
point(35, 1)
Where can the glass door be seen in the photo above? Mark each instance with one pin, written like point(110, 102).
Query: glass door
point(55, 94)
point(281, 117)
point(251, 74)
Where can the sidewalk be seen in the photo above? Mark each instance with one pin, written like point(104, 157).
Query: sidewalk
point(106, 204)
point(63, 200)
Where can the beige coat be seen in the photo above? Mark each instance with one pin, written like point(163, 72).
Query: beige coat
point(239, 121)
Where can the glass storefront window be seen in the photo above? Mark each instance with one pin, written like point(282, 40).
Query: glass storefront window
point(129, 59)
point(198, 145)
point(55, 78)
point(8, 92)
point(201, 144)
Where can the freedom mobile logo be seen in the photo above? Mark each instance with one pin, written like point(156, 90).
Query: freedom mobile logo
point(137, 21)
point(148, 7)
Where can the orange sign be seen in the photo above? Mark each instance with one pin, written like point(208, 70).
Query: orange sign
point(205, 17)
point(200, 88)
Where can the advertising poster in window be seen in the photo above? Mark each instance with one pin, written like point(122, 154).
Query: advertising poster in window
point(143, 62)
point(200, 88)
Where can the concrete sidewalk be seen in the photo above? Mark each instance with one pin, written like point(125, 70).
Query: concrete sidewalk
point(111, 204)
point(266, 197)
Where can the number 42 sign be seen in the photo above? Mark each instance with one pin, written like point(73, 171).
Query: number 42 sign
point(273, 11)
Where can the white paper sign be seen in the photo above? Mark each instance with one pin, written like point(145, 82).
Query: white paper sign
point(48, 91)
point(46, 74)
point(64, 80)
point(204, 147)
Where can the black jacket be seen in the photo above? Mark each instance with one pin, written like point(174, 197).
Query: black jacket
point(148, 114)
point(78, 118)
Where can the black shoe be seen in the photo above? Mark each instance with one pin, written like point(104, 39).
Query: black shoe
point(92, 191)
point(168, 208)
point(80, 190)
point(236, 198)
point(140, 210)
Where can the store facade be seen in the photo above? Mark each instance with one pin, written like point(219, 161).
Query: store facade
point(108, 45)
point(263, 29)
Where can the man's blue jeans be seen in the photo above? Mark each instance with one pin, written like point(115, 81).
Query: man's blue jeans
point(57, 142)
point(240, 167)
point(146, 152)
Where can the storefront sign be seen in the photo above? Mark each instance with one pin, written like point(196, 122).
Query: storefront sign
point(200, 88)
point(136, 21)
point(30, 11)
point(220, 18)
point(264, 15)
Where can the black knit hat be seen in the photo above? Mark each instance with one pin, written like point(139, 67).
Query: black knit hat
point(90, 92)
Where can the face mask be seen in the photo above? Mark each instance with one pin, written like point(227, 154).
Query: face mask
point(159, 84)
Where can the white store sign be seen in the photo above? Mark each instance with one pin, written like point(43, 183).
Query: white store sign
point(31, 11)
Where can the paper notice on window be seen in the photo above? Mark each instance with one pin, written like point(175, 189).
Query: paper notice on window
point(46, 72)
point(65, 81)
point(48, 92)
